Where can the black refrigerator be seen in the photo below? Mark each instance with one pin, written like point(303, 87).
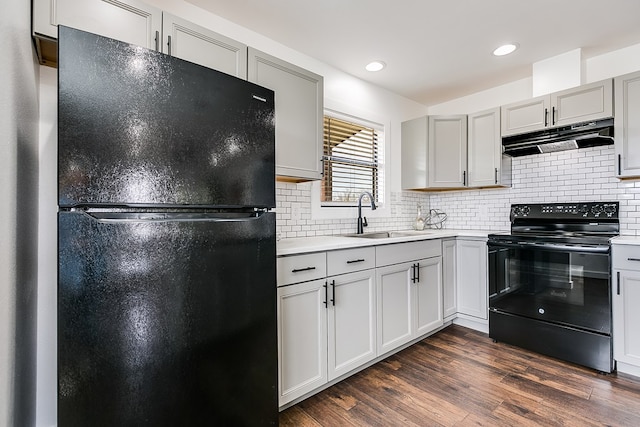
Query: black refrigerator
point(166, 241)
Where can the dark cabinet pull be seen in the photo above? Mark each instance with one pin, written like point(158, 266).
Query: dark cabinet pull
point(169, 45)
point(353, 261)
point(157, 41)
point(326, 294)
point(619, 164)
point(333, 288)
point(633, 259)
point(417, 272)
point(464, 178)
point(298, 270)
point(618, 277)
point(546, 117)
point(496, 175)
point(553, 115)
point(413, 273)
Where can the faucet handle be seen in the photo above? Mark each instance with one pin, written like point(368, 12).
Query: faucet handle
point(364, 221)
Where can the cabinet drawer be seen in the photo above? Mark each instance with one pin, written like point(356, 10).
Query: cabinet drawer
point(626, 257)
point(348, 260)
point(301, 268)
point(404, 252)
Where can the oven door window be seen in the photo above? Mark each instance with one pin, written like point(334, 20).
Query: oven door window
point(571, 288)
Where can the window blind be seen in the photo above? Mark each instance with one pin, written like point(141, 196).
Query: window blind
point(351, 162)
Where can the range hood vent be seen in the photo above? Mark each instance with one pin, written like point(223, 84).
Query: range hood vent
point(587, 134)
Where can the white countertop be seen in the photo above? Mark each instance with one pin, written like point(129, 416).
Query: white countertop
point(301, 245)
point(626, 240)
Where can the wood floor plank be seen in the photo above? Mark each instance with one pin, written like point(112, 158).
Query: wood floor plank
point(460, 377)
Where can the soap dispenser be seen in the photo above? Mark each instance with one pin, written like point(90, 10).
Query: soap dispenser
point(418, 224)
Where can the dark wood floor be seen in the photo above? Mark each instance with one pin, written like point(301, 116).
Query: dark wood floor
point(459, 377)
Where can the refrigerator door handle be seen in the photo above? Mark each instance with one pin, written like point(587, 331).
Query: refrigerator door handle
point(128, 217)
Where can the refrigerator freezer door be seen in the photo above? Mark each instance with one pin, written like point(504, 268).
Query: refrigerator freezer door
point(140, 128)
point(166, 321)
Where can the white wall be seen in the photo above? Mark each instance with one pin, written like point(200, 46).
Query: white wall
point(47, 249)
point(18, 228)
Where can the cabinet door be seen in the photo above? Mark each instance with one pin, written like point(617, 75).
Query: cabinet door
point(395, 309)
point(627, 125)
point(428, 296)
point(449, 297)
point(302, 339)
point(525, 116)
point(447, 151)
point(414, 153)
point(191, 42)
point(587, 102)
point(626, 317)
point(299, 114)
point(485, 148)
point(131, 21)
point(352, 322)
point(472, 278)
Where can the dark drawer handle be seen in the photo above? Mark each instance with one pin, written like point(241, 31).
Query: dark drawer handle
point(355, 260)
point(633, 259)
point(298, 270)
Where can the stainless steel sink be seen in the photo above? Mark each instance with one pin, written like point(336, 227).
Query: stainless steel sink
point(387, 234)
point(371, 235)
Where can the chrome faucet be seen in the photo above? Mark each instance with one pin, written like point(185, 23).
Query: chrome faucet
point(362, 222)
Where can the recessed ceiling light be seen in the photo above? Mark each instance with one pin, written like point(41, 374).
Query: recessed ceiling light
point(375, 66)
point(505, 49)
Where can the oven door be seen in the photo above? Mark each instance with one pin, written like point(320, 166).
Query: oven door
point(561, 284)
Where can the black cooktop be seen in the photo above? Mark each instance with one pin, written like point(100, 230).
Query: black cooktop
point(582, 223)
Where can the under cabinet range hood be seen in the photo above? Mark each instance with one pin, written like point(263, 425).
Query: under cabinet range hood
point(587, 134)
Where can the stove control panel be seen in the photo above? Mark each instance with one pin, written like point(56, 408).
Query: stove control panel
point(591, 210)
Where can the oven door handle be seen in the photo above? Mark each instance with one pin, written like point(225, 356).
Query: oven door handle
point(550, 247)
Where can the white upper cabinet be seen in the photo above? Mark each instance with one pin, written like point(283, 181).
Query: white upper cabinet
point(447, 151)
point(414, 153)
point(487, 166)
point(434, 152)
point(525, 116)
point(627, 125)
point(130, 21)
point(580, 104)
point(299, 114)
point(137, 23)
point(191, 42)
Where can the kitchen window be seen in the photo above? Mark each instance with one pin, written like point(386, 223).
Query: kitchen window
point(353, 161)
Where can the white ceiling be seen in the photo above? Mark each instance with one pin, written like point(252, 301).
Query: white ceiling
point(437, 50)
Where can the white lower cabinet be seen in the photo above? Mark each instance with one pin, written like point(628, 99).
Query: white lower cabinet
point(326, 327)
point(472, 280)
point(339, 310)
point(395, 312)
point(302, 339)
point(409, 294)
point(449, 297)
point(428, 296)
point(351, 328)
point(625, 301)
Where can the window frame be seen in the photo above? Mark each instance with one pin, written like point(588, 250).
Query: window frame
point(348, 113)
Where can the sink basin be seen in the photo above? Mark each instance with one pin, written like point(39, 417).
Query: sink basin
point(387, 234)
point(371, 235)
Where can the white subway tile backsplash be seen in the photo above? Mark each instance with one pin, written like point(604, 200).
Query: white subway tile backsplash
point(571, 176)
